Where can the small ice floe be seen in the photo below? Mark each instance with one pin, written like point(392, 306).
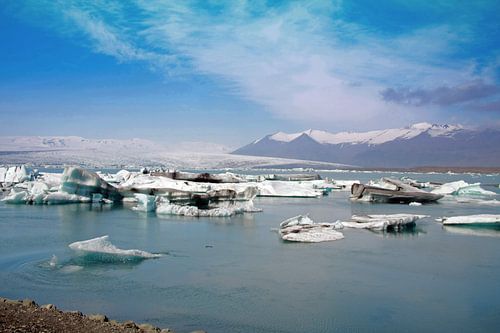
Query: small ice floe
point(413, 203)
point(462, 188)
point(302, 229)
point(480, 219)
point(396, 222)
point(102, 245)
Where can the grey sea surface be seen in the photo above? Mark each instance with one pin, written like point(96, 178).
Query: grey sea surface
point(236, 274)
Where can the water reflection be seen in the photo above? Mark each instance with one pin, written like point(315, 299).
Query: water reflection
point(482, 231)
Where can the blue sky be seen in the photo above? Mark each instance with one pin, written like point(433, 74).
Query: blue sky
point(232, 71)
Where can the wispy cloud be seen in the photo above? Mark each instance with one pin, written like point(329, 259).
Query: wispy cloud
point(299, 60)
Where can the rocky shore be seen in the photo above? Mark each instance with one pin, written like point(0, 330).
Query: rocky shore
point(27, 316)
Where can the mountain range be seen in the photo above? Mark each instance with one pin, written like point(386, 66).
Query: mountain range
point(421, 144)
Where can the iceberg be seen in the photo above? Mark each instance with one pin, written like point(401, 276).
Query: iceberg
point(480, 219)
point(61, 198)
point(392, 222)
point(82, 182)
point(391, 191)
point(16, 197)
point(102, 245)
point(461, 188)
point(201, 177)
point(167, 208)
point(145, 203)
point(14, 175)
point(302, 229)
point(288, 189)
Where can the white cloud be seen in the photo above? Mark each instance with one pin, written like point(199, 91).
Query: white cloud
point(293, 60)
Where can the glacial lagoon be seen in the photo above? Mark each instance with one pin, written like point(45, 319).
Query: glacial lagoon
point(235, 274)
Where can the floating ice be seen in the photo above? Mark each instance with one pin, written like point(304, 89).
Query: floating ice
point(480, 219)
point(61, 198)
point(85, 183)
point(383, 222)
point(167, 208)
point(302, 229)
point(145, 203)
point(413, 203)
point(288, 189)
point(14, 174)
point(461, 188)
point(16, 197)
point(102, 245)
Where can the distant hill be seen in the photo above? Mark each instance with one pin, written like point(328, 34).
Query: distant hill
point(421, 144)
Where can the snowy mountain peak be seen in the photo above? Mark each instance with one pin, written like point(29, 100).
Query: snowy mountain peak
point(371, 137)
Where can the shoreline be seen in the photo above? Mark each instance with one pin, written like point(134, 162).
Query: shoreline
point(27, 316)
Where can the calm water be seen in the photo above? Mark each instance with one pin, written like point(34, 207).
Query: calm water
point(236, 275)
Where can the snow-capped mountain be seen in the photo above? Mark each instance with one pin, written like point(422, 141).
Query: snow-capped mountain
point(421, 144)
point(131, 153)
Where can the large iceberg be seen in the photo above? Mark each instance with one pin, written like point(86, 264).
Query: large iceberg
point(302, 229)
point(102, 245)
point(480, 219)
point(390, 222)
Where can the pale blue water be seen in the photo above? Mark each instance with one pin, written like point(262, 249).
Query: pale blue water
point(248, 280)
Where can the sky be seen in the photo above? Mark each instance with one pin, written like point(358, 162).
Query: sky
point(233, 71)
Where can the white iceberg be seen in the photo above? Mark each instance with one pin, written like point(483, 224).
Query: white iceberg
point(102, 245)
point(14, 174)
point(382, 222)
point(61, 198)
point(16, 197)
point(461, 188)
point(480, 219)
point(145, 203)
point(167, 208)
point(302, 229)
point(275, 188)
